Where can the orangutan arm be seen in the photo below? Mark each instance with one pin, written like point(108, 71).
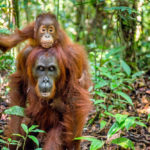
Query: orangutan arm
point(9, 41)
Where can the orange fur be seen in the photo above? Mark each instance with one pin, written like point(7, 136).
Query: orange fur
point(70, 99)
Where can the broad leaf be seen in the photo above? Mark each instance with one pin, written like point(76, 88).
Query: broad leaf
point(15, 110)
point(129, 122)
point(32, 127)
point(124, 142)
point(102, 124)
point(2, 141)
point(38, 130)
point(125, 96)
point(34, 139)
point(115, 128)
point(120, 118)
point(126, 67)
point(148, 117)
point(25, 128)
point(5, 148)
point(95, 143)
point(140, 124)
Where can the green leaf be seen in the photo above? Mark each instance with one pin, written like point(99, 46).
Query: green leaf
point(14, 142)
point(120, 118)
point(95, 143)
point(99, 102)
point(101, 93)
point(25, 128)
point(4, 31)
point(102, 124)
point(129, 122)
point(114, 51)
point(2, 141)
point(85, 138)
point(124, 142)
point(115, 128)
point(140, 124)
point(101, 84)
point(1, 131)
point(109, 114)
point(125, 96)
point(138, 74)
point(148, 117)
point(32, 127)
point(5, 148)
point(34, 139)
point(9, 140)
point(114, 85)
point(19, 135)
point(38, 130)
point(15, 110)
point(126, 67)
point(103, 106)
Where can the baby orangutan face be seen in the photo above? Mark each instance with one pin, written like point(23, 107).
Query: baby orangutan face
point(46, 35)
point(46, 31)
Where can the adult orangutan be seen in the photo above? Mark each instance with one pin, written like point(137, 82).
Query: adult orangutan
point(56, 101)
point(46, 32)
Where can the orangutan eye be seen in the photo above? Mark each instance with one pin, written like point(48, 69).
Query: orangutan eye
point(43, 30)
point(40, 68)
point(51, 30)
point(52, 68)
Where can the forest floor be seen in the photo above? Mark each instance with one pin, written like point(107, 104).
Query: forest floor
point(139, 135)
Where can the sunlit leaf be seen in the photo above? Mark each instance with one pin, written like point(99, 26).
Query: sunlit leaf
point(115, 128)
point(95, 143)
point(34, 139)
point(14, 134)
point(125, 96)
point(25, 128)
point(15, 110)
point(129, 122)
point(124, 142)
point(109, 114)
point(148, 117)
point(140, 124)
point(1, 131)
point(32, 127)
point(102, 124)
point(98, 101)
point(38, 130)
point(5, 148)
point(2, 141)
point(126, 67)
point(120, 118)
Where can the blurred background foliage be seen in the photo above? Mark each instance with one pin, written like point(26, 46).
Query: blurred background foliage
point(115, 33)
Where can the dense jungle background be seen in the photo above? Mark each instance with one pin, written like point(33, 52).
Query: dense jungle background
point(116, 36)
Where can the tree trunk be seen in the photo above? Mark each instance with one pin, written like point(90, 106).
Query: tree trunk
point(96, 26)
point(16, 12)
point(79, 18)
point(128, 29)
point(26, 10)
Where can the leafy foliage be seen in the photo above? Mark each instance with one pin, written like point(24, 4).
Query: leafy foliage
point(28, 131)
point(15, 110)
